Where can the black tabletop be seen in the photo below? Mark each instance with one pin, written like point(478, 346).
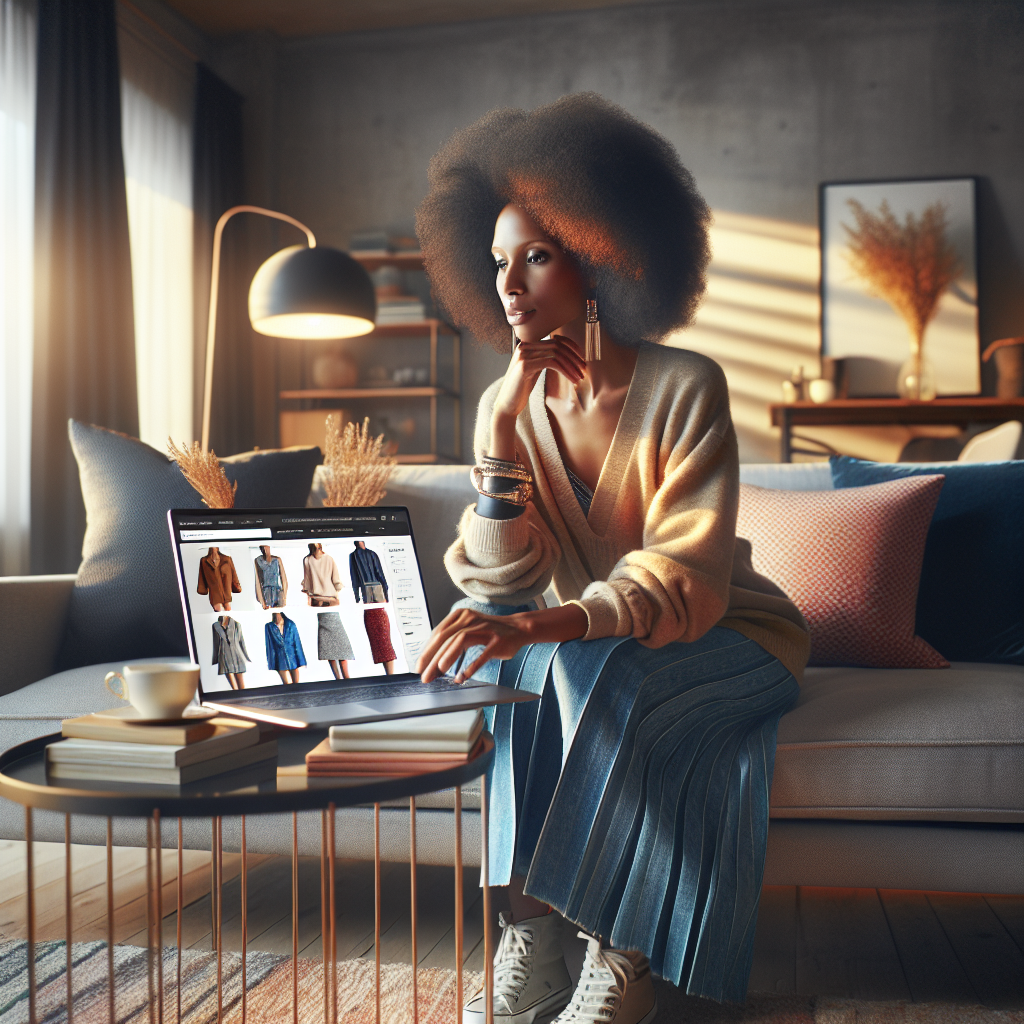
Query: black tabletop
point(23, 779)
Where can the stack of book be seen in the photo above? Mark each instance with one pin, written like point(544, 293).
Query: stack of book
point(403, 746)
point(400, 309)
point(107, 747)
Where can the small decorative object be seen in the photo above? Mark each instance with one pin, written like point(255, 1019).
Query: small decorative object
point(334, 370)
point(358, 468)
point(898, 259)
point(821, 390)
point(1009, 357)
point(793, 389)
point(202, 469)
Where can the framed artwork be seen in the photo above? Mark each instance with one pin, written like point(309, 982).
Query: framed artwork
point(899, 290)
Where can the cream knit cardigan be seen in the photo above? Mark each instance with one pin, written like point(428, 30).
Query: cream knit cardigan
point(657, 558)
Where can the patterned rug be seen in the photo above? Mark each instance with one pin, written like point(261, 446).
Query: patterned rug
point(268, 987)
point(269, 993)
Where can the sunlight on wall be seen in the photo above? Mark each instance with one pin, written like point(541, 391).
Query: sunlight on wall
point(759, 320)
point(156, 105)
point(161, 241)
point(17, 154)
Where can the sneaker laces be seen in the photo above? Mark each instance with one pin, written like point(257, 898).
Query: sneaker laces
point(513, 963)
point(601, 986)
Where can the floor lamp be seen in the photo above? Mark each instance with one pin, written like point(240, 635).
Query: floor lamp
point(314, 293)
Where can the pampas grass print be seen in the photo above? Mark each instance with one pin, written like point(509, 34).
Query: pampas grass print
point(909, 265)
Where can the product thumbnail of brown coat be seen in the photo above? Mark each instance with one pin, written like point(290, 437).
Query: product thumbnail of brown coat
point(220, 581)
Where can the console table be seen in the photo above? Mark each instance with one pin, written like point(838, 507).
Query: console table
point(862, 412)
point(23, 779)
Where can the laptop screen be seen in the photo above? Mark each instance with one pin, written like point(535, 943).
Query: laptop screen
point(307, 594)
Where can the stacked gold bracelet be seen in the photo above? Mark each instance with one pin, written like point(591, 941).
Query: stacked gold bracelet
point(504, 470)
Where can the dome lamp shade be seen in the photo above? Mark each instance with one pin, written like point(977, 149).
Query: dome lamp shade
point(312, 293)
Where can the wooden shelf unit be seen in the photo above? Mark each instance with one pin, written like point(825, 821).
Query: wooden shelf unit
point(430, 328)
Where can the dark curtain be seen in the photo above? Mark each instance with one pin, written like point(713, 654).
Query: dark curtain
point(84, 357)
point(218, 184)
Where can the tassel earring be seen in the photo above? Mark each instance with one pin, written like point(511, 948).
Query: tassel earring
point(592, 348)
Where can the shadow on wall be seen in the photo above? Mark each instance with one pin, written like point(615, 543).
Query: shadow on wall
point(759, 320)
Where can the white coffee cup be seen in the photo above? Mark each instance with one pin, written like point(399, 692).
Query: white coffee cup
point(156, 690)
point(822, 390)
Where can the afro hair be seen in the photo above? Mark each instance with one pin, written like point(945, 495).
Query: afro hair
point(607, 188)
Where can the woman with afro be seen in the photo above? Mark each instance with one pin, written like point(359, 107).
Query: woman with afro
point(632, 798)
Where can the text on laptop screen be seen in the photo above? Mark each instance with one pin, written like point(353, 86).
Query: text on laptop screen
point(300, 596)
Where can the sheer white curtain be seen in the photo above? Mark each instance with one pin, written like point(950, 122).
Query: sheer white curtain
point(156, 105)
point(17, 151)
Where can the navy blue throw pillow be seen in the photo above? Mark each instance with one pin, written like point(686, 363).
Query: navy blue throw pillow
point(125, 600)
point(970, 604)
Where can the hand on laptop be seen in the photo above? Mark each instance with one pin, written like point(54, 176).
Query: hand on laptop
point(500, 636)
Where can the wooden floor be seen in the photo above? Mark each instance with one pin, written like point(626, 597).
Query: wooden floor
point(855, 943)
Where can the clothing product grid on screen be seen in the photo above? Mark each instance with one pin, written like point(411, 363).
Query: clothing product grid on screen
point(300, 596)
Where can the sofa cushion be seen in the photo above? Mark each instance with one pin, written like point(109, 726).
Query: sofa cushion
point(970, 605)
point(788, 476)
point(850, 561)
point(904, 744)
point(125, 602)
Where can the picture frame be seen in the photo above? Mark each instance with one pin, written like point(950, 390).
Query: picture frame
point(862, 328)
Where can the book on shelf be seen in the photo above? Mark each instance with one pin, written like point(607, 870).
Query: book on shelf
point(454, 732)
point(230, 734)
point(256, 754)
point(322, 761)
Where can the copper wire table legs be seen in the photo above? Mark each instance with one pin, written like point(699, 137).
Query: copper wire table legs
point(328, 914)
point(67, 912)
point(30, 915)
point(485, 881)
point(458, 904)
point(110, 921)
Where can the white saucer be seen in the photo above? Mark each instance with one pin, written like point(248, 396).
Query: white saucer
point(193, 713)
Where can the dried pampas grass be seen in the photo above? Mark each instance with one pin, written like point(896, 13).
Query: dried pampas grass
point(909, 265)
point(205, 473)
point(358, 468)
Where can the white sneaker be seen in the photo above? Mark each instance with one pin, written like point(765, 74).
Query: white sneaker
point(530, 978)
point(613, 987)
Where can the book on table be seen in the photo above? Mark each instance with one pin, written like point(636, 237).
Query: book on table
point(455, 732)
point(229, 744)
point(405, 746)
point(119, 726)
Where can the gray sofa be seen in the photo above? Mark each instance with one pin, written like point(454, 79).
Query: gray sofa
point(884, 778)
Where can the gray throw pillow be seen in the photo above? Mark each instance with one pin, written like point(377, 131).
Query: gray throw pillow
point(125, 600)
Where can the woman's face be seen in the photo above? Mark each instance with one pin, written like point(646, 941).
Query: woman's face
point(539, 284)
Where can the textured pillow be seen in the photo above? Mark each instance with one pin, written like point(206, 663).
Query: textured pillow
point(971, 601)
point(125, 601)
point(850, 561)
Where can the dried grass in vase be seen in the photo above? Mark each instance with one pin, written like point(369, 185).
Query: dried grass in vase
point(910, 265)
point(205, 473)
point(358, 468)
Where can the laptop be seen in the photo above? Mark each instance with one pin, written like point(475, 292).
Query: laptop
point(252, 606)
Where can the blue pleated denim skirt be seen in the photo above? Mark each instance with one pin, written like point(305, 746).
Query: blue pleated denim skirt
point(633, 796)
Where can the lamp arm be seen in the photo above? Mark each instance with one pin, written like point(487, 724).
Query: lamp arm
point(211, 327)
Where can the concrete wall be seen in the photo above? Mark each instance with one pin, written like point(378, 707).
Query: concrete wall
point(764, 100)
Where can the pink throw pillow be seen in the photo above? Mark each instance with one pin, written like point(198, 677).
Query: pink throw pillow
point(850, 560)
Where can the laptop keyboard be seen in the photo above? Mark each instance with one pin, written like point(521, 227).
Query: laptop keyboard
point(351, 694)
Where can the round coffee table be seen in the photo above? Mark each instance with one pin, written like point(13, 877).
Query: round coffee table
point(23, 779)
